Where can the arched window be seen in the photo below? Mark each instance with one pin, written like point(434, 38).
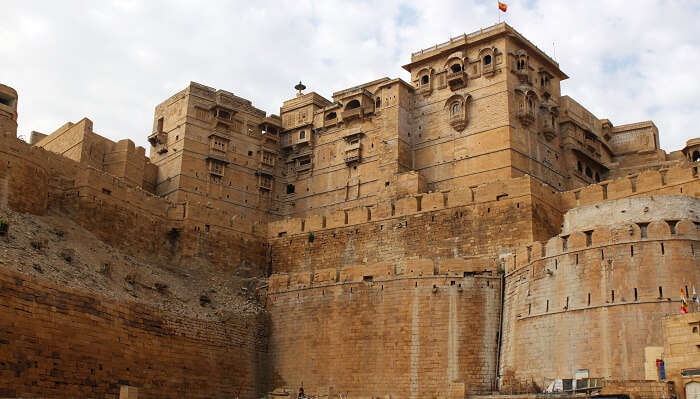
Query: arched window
point(353, 104)
point(378, 102)
point(579, 166)
point(302, 135)
point(456, 68)
point(487, 60)
point(521, 64)
point(696, 156)
point(331, 115)
point(424, 80)
point(597, 177)
point(455, 108)
point(589, 172)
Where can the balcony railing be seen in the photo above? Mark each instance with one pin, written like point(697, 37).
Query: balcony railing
point(352, 154)
point(353, 113)
point(303, 167)
point(424, 89)
point(265, 183)
point(456, 80)
point(526, 116)
point(458, 121)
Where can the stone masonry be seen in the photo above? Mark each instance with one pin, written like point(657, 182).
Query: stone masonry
point(466, 232)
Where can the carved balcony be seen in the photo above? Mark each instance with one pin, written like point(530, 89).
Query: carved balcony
point(524, 75)
point(353, 152)
point(424, 90)
point(265, 182)
point(158, 138)
point(353, 113)
point(458, 121)
point(303, 167)
point(526, 116)
point(456, 80)
point(330, 122)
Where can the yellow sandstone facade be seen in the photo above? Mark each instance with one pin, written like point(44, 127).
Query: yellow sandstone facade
point(468, 231)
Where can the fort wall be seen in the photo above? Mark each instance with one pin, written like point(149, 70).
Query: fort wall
point(33, 179)
point(382, 330)
point(458, 224)
point(57, 342)
point(595, 299)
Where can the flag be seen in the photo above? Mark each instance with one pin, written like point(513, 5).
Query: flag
point(684, 303)
point(502, 6)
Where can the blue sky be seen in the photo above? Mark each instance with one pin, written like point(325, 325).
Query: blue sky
point(113, 62)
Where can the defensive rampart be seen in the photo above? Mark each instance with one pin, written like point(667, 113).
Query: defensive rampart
point(57, 342)
point(438, 226)
point(33, 180)
point(594, 299)
point(387, 330)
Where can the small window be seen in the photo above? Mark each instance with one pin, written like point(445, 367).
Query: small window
point(455, 108)
point(579, 166)
point(696, 156)
point(487, 60)
point(331, 115)
point(250, 153)
point(353, 104)
point(424, 80)
point(290, 188)
point(378, 102)
point(160, 125)
point(597, 177)
point(456, 68)
point(589, 172)
point(302, 135)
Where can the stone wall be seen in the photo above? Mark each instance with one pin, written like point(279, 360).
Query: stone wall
point(381, 334)
point(595, 299)
point(59, 343)
point(33, 179)
point(436, 226)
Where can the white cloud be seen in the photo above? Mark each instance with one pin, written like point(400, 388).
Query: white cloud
point(113, 62)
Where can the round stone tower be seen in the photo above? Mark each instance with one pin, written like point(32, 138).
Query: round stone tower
point(8, 111)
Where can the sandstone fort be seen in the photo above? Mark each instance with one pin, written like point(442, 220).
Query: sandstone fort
point(469, 232)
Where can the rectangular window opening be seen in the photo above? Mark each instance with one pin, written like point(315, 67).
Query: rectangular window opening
point(643, 229)
point(635, 295)
point(589, 299)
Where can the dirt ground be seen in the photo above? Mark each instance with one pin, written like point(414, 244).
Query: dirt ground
point(55, 248)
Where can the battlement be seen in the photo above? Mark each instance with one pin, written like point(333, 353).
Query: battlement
point(677, 180)
point(574, 242)
point(414, 204)
point(385, 271)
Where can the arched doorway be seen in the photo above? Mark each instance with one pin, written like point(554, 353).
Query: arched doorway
point(692, 390)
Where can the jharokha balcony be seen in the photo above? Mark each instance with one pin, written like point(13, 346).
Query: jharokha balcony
point(456, 80)
point(526, 116)
point(353, 113)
